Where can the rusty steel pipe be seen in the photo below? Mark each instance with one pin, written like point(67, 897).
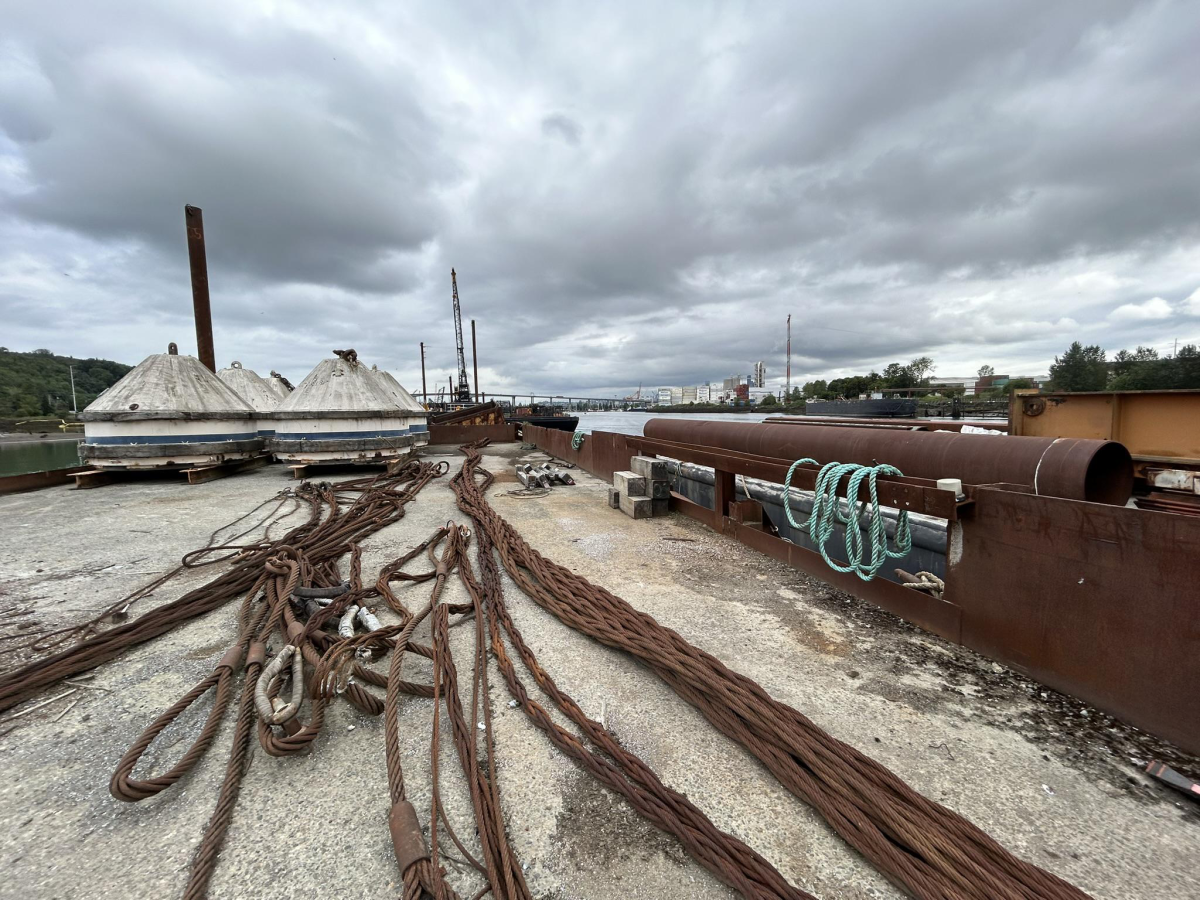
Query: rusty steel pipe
point(198, 261)
point(1073, 468)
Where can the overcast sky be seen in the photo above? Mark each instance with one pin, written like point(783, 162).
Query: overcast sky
point(631, 193)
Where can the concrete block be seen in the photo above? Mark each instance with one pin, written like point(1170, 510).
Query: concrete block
point(614, 498)
point(660, 506)
point(659, 490)
point(650, 468)
point(637, 507)
point(629, 484)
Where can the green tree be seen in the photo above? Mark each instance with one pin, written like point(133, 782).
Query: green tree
point(1080, 368)
point(921, 368)
point(986, 371)
point(1142, 370)
point(768, 400)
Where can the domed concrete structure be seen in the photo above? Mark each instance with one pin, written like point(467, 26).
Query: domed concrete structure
point(341, 413)
point(280, 385)
point(168, 410)
point(255, 390)
point(396, 391)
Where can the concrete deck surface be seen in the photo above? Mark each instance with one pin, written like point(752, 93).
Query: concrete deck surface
point(1052, 780)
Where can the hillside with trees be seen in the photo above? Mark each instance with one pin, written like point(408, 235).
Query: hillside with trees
point(38, 383)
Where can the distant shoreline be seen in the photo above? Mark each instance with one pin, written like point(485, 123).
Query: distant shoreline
point(727, 410)
point(37, 437)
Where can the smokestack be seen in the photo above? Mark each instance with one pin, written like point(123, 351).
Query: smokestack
point(194, 220)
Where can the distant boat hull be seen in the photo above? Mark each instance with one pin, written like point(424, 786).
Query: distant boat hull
point(886, 408)
point(562, 423)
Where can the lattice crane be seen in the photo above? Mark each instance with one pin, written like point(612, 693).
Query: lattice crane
point(462, 393)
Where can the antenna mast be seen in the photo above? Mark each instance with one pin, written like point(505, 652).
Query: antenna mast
point(462, 394)
point(788, 395)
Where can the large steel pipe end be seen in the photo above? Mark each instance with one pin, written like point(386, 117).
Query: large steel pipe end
point(1079, 469)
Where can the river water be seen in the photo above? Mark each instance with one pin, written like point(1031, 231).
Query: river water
point(633, 422)
point(21, 455)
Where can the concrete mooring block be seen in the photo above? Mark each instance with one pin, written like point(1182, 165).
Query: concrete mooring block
point(660, 506)
point(637, 507)
point(630, 484)
point(659, 490)
point(648, 467)
point(614, 498)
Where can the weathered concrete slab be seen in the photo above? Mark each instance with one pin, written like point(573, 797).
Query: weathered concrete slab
point(650, 467)
point(629, 484)
point(636, 507)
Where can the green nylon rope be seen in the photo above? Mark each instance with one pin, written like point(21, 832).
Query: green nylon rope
point(827, 514)
point(577, 440)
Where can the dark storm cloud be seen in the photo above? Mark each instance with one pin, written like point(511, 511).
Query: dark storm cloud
point(636, 194)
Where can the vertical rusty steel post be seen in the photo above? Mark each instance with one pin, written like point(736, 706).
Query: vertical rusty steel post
point(474, 361)
point(194, 220)
point(424, 390)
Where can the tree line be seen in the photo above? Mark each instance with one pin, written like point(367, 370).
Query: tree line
point(894, 375)
point(1080, 368)
point(38, 383)
point(1083, 368)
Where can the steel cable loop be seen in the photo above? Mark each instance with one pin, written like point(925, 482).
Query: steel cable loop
point(123, 787)
point(307, 552)
point(730, 860)
point(629, 776)
point(503, 870)
point(422, 878)
point(926, 849)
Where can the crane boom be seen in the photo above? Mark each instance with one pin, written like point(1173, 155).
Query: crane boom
point(462, 394)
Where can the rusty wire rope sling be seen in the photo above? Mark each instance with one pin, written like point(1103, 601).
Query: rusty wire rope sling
point(924, 848)
point(276, 566)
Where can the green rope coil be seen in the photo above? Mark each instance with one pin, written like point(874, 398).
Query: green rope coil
point(828, 514)
point(577, 440)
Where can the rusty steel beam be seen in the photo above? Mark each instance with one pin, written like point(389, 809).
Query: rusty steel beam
point(1097, 471)
point(194, 220)
point(1098, 602)
point(1158, 427)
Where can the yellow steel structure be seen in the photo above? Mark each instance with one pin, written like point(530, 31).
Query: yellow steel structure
point(1157, 427)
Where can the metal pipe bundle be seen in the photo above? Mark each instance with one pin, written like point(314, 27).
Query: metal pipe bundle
point(1073, 468)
